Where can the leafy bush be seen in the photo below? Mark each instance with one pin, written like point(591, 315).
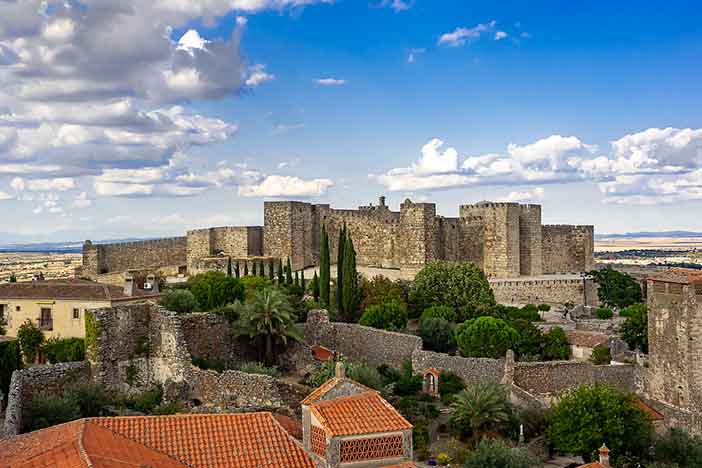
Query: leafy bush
point(589, 415)
point(231, 312)
point(324, 373)
point(449, 385)
point(437, 334)
point(388, 316)
point(259, 368)
point(525, 313)
point(544, 307)
point(480, 407)
point(147, 401)
point(64, 349)
point(456, 285)
point(632, 310)
point(601, 355)
point(205, 364)
point(556, 345)
point(365, 375)
point(680, 448)
point(46, 409)
point(444, 312)
point(417, 408)
point(253, 285)
point(497, 454)
point(380, 290)
point(91, 399)
point(485, 337)
point(215, 289)
point(30, 340)
point(420, 440)
point(534, 420)
point(389, 374)
point(409, 383)
point(634, 330)
point(10, 361)
point(180, 301)
point(616, 289)
point(604, 313)
point(530, 343)
point(173, 407)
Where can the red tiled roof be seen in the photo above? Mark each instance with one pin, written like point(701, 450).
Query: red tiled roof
point(433, 370)
point(678, 275)
point(80, 444)
point(321, 353)
point(293, 426)
point(319, 392)
point(586, 340)
point(365, 413)
point(244, 440)
point(69, 289)
point(653, 414)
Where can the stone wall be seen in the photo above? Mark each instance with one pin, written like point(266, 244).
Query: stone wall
point(106, 258)
point(537, 290)
point(359, 343)
point(530, 249)
point(288, 232)
point(27, 383)
point(568, 249)
point(209, 336)
point(471, 370)
point(227, 241)
point(202, 265)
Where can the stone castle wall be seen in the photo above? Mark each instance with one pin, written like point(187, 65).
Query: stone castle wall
point(539, 290)
point(568, 249)
point(471, 370)
point(530, 240)
point(119, 257)
point(229, 241)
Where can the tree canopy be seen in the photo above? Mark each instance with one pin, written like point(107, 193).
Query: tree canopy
point(215, 289)
point(485, 337)
point(634, 330)
point(616, 289)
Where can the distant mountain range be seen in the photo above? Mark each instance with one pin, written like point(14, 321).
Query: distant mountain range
point(56, 247)
point(629, 235)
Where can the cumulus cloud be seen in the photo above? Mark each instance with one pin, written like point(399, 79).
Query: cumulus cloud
point(534, 195)
point(397, 5)
point(412, 54)
point(258, 75)
point(82, 201)
point(286, 186)
point(5, 196)
point(59, 184)
point(461, 35)
point(499, 35)
point(330, 82)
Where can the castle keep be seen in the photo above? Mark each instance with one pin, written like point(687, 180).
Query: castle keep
point(506, 239)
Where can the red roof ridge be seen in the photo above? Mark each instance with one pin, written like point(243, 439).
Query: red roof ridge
point(337, 400)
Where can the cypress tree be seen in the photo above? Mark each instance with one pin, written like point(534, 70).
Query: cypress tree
point(261, 270)
point(350, 278)
point(246, 268)
point(324, 274)
point(229, 266)
point(340, 266)
point(288, 273)
point(237, 271)
point(302, 280)
point(315, 287)
point(280, 271)
point(271, 267)
point(297, 279)
point(253, 266)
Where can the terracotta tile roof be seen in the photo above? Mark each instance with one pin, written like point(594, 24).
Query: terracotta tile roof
point(321, 353)
point(68, 289)
point(586, 340)
point(80, 444)
point(643, 406)
point(319, 392)
point(433, 370)
point(243, 440)
point(293, 426)
point(365, 413)
point(678, 275)
point(402, 465)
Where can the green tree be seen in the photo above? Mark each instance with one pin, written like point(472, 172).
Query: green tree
point(262, 269)
point(181, 301)
point(616, 289)
point(64, 349)
point(271, 317)
point(437, 334)
point(388, 316)
point(481, 406)
point(600, 355)
point(324, 269)
point(634, 330)
point(589, 415)
point(340, 256)
point(281, 272)
point(229, 266)
point(215, 289)
point(461, 286)
point(246, 268)
point(288, 273)
point(296, 281)
point(253, 269)
point(679, 448)
point(444, 312)
point(30, 339)
point(315, 287)
point(381, 289)
point(46, 410)
point(485, 337)
point(556, 345)
point(237, 271)
point(349, 284)
point(91, 399)
point(529, 345)
point(10, 361)
point(271, 273)
point(449, 385)
point(497, 454)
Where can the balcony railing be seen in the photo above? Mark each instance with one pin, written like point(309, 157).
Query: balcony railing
point(45, 324)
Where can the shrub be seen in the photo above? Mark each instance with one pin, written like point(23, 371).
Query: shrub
point(556, 345)
point(601, 355)
point(173, 407)
point(380, 290)
point(409, 383)
point(231, 312)
point(46, 409)
point(253, 285)
point(322, 374)
point(417, 408)
point(616, 289)
point(480, 407)
point(544, 307)
point(180, 301)
point(529, 345)
point(449, 385)
point(444, 312)
point(10, 361)
point(526, 313)
point(634, 330)
point(365, 375)
point(259, 368)
point(420, 440)
point(456, 285)
point(91, 399)
point(147, 401)
point(437, 334)
point(497, 454)
point(589, 415)
point(534, 420)
point(30, 340)
point(215, 289)
point(485, 337)
point(680, 448)
point(205, 364)
point(604, 313)
point(389, 374)
point(389, 316)
point(64, 349)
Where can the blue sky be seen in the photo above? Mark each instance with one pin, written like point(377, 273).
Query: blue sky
point(187, 116)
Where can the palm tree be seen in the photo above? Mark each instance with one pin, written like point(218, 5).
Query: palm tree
point(480, 405)
point(269, 315)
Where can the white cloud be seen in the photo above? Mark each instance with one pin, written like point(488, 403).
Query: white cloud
point(82, 201)
point(412, 54)
point(534, 195)
point(330, 82)
point(60, 184)
point(5, 196)
point(258, 75)
point(499, 35)
point(191, 41)
point(286, 186)
point(461, 35)
point(397, 5)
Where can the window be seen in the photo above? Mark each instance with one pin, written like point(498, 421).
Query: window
point(319, 441)
point(76, 313)
point(3, 313)
point(18, 308)
point(371, 448)
point(45, 320)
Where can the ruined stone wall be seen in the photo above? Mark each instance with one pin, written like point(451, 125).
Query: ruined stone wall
point(540, 290)
point(228, 241)
point(567, 249)
point(359, 343)
point(27, 383)
point(105, 258)
point(209, 336)
point(288, 232)
point(471, 370)
point(530, 249)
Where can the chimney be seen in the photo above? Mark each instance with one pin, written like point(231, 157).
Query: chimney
point(604, 456)
point(381, 200)
point(151, 279)
point(128, 284)
point(340, 372)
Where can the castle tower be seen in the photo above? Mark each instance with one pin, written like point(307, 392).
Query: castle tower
point(530, 252)
point(418, 237)
point(288, 232)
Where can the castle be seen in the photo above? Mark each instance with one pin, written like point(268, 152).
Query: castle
point(506, 239)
